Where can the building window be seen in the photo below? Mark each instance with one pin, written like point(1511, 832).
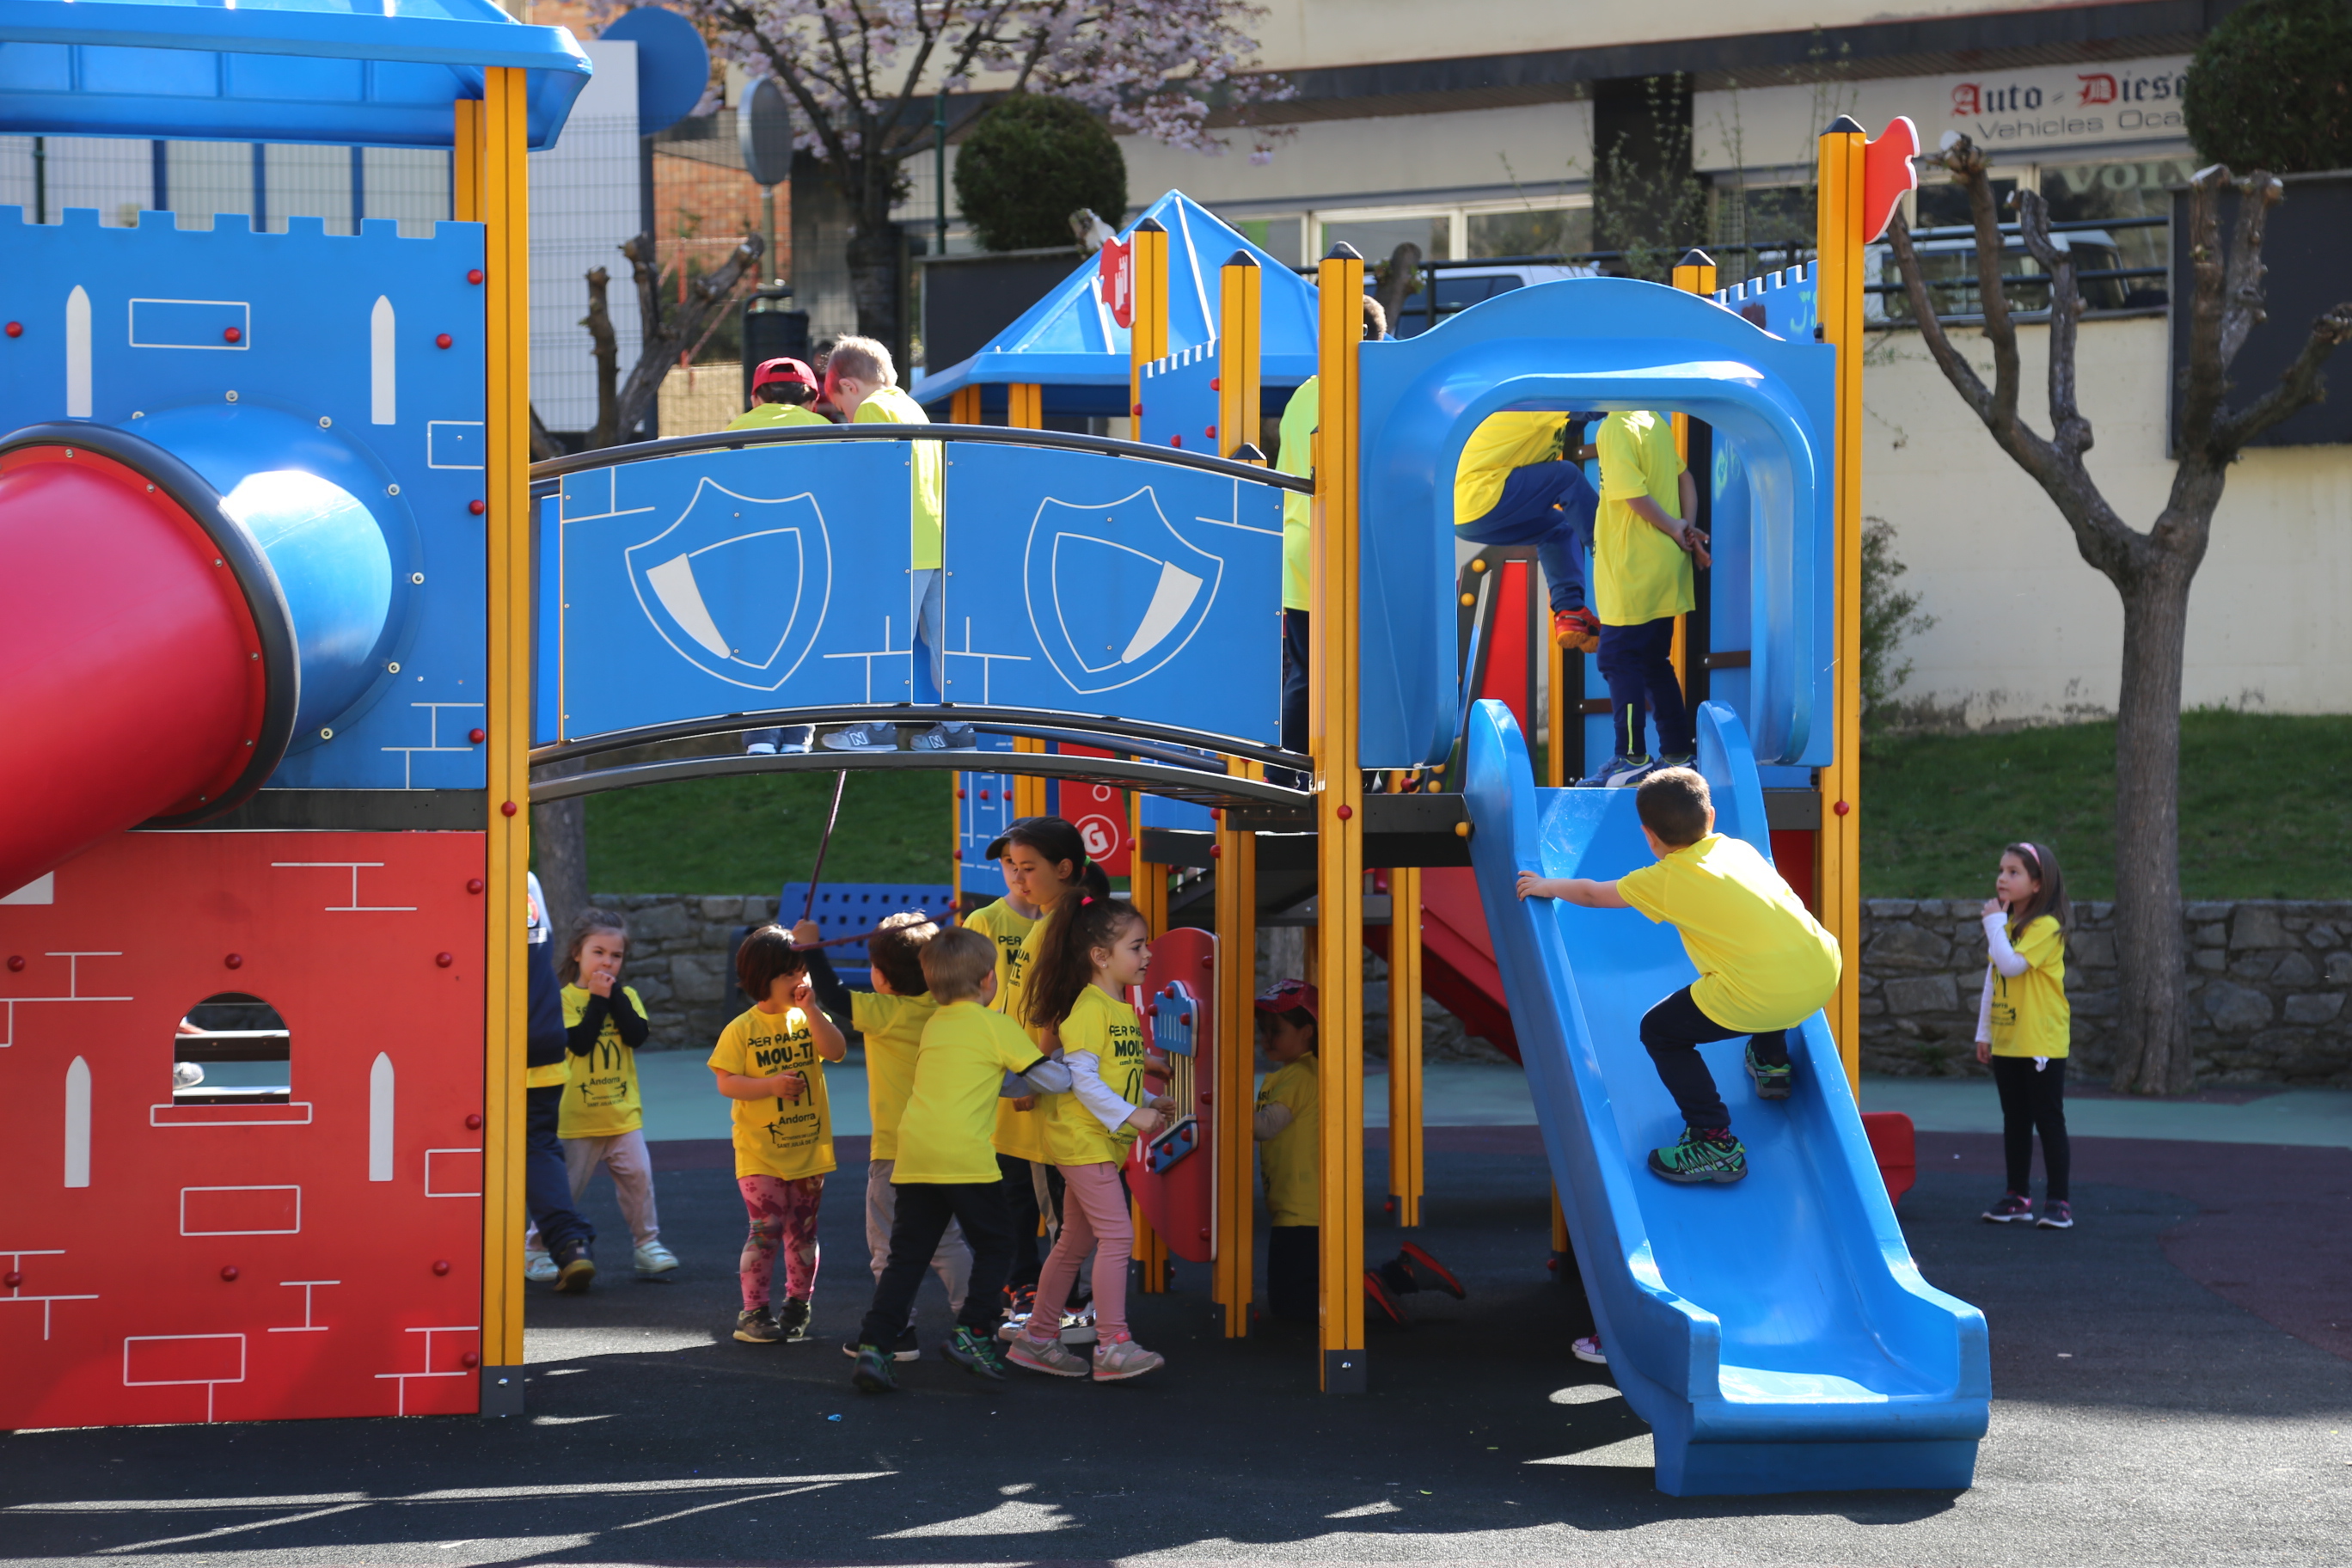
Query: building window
point(1529, 231)
point(1376, 232)
point(2090, 192)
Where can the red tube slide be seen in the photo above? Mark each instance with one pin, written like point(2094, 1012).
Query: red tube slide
point(145, 650)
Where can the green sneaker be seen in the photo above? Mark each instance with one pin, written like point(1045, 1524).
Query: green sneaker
point(975, 1351)
point(1701, 1157)
point(1771, 1082)
point(874, 1374)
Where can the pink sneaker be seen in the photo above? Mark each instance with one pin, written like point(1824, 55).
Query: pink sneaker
point(1589, 1349)
point(1048, 1356)
point(1122, 1358)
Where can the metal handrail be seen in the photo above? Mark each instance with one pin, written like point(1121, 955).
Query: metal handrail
point(1065, 441)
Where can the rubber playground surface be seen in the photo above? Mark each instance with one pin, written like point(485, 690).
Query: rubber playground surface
point(2172, 1384)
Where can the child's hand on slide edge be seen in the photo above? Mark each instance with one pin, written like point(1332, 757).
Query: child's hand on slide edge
point(1534, 886)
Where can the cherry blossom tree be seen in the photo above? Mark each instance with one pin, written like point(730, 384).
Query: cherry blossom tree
point(860, 73)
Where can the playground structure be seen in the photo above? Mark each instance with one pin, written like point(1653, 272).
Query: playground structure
point(316, 621)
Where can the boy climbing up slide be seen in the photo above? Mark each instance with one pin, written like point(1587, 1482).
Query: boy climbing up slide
point(1765, 966)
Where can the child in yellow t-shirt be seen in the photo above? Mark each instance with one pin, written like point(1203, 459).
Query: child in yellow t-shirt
point(1518, 484)
point(2024, 1026)
point(1288, 1131)
point(781, 391)
point(861, 382)
point(1765, 966)
point(1644, 545)
point(1077, 989)
point(766, 1062)
point(602, 1119)
point(946, 1170)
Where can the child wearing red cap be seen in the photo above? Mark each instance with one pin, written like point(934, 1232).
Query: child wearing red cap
point(1289, 1140)
point(781, 391)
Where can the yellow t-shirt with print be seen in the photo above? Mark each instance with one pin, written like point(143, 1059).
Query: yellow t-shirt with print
point(943, 1135)
point(1293, 1195)
point(1020, 1134)
point(768, 416)
point(787, 1139)
point(1502, 442)
point(1763, 961)
point(2031, 1014)
point(926, 468)
point(1638, 574)
point(1299, 417)
point(1008, 927)
point(1106, 1028)
point(602, 1100)
point(893, 1027)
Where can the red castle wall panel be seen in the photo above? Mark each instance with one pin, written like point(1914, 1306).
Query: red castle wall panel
point(165, 1261)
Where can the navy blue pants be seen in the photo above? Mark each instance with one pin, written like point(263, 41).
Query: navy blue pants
point(1638, 663)
point(1549, 506)
point(547, 1186)
point(1673, 1031)
point(1295, 627)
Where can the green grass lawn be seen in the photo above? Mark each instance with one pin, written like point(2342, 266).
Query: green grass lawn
point(2266, 805)
point(2266, 808)
point(754, 834)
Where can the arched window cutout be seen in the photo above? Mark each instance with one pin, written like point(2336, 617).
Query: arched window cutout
point(232, 1049)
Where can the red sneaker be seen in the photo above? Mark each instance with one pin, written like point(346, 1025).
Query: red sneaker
point(1577, 630)
point(1378, 1290)
point(1431, 1272)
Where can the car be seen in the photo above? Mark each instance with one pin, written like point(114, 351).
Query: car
point(1459, 288)
point(1947, 256)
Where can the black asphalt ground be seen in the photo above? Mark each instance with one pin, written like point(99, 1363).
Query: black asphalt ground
point(2141, 1416)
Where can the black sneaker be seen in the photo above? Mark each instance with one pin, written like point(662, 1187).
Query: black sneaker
point(793, 1317)
point(759, 1328)
point(1772, 1082)
point(1697, 1156)
point(973, 1350)
point(2012, 1206)
point(576, 1270)
point(2056, 1217)
point(872, 1375)
point(903, 1348)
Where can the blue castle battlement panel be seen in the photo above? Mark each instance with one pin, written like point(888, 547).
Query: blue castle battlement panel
point(1180, 400)
point(355, 359)
point(1786, 304)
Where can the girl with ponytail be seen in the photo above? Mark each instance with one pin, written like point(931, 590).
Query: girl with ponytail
point(1094, 950)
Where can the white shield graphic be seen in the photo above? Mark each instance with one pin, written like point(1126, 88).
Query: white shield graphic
point(737, 585)
point(1114, 591)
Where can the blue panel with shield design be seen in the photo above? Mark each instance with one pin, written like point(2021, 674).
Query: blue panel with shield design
point(1089, 583)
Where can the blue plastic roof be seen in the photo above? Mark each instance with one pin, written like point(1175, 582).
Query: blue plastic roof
point(1068, 343)
point(368, 72)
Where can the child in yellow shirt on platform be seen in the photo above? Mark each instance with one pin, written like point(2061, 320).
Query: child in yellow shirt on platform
point(1765, 964)
point(2024, 1027)
point(601, 1118)
point(971, 1057)
point(766, 1061)
point(1644, 546)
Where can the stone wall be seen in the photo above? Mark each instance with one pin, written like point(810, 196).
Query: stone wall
point(2267, 986)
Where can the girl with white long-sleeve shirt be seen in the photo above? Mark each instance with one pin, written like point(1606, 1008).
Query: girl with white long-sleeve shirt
point(2024, 1024)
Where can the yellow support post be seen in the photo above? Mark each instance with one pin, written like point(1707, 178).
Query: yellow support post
point(1148, 340)
point(1239, 287)
point(955, 835)
point(1339, 826)
point(1837, 288)
point(1694, 274)
point(466, 162)
point(1028, 792)
point(1025, 406)
point(1147, 891)
point(964, 407)
point(1562, 711)
point(504, 199)
point(1405, 1167)
point(1234, 1096)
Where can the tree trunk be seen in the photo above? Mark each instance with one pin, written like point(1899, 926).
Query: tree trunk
point(2152, 1021)
point(607, 349)
point(874, 275)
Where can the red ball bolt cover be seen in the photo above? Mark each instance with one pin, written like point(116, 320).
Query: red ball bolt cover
point(16, 964)
point(234, 335)
point(1210, 432)
point(469, 1361)
point(1216, 851)
point(440, 1266)
point(473, 1121)
point(445, 958)
point(478, 736)
point(1204, 1233)
point(474, 884)
point(473, 275)
point(235, 960)
point(1176, 440)
point(13, 1278)
point(1207, 961)
point(1139, 410)
point(1842, 807)
point(1205, 1097)
point(507, 808)
point(984, 795)
point(1152, 1010)
point(959, 794)
point(229, 1273)
point(476, 507)
point(16, 329)
point(442, 340)
point(1216, 383)
point(1346, 812)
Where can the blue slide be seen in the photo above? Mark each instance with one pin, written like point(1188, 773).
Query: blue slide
point(1774, 1333)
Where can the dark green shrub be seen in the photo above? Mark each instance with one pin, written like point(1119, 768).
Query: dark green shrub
point(2270, 88)
point(1029, 163)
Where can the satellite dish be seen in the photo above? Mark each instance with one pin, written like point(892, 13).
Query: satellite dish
point(673, 65)
point(763, 123)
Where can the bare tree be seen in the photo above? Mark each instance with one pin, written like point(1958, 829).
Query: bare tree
point(2151, 570)
point(664, 335)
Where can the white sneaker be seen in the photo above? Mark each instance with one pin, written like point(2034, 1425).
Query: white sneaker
point(1078, 1328)
point(1589, 1349)
point(653, 1257)
point(760, 749)
point(539, 1267)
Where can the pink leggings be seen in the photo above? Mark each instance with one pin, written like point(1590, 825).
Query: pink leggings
point(783, 1213)
point(1094, 1216)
